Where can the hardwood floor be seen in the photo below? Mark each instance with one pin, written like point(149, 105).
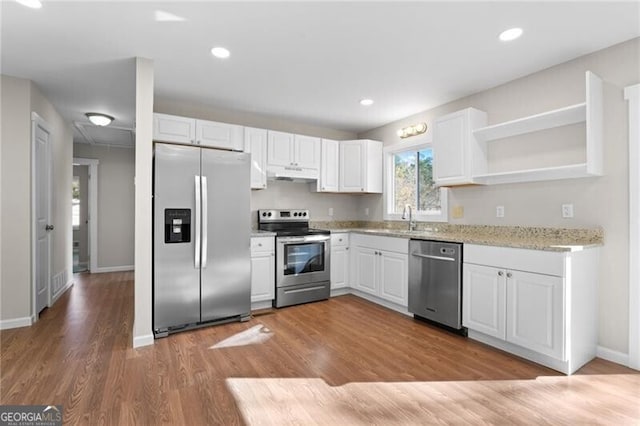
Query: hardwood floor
point(79, 355)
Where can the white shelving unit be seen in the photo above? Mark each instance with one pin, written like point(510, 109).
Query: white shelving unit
point(590, 112)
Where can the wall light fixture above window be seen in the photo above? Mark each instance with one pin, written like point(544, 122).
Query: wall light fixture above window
point(99, 119)
point(416, 129)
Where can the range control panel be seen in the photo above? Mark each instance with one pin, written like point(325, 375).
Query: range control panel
point(297, 215)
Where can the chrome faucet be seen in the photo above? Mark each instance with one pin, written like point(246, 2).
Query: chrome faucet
point(411, 224)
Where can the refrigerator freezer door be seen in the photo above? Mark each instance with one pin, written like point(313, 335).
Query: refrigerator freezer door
point(176, 289)
point(226, 271)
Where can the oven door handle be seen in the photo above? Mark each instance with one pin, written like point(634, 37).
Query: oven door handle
point(307, 239)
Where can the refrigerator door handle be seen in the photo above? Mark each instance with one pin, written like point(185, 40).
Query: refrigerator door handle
point(205, 221)
point(196, 256)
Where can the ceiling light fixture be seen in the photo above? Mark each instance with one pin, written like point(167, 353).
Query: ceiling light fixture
point(510, 34)
point(33, 4)
point(99, 119)
point(220, 52)
point(416, 129)
point(162, 16)
point(366, 102)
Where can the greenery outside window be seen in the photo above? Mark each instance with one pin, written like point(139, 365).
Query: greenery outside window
point(409, 180)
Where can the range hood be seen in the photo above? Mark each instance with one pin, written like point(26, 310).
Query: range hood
point(292, 174)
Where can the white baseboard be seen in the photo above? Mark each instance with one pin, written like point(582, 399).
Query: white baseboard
point(263, 304)
point(66, 287)
point(613, 356)
point(104, 269)
point(15, 323)
point(145, 340)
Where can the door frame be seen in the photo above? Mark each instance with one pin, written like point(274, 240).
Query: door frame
point(92, 214)
point(632, 95)
point(36, 121)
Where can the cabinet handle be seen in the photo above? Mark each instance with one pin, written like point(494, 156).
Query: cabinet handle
point(509, 274)
point(259, 244)
point(323, 188)
point(346, 248)
point(193, 142)
point(500, 273)
point(340, 239)
point(361, 189)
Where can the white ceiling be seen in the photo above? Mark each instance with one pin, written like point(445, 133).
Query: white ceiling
point(305, 61)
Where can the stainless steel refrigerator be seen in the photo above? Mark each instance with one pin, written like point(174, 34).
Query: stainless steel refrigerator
point(201, 250)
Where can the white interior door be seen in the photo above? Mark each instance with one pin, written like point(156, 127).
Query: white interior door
point(42, 206)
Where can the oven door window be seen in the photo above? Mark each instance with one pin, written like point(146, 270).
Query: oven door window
point(303, 258)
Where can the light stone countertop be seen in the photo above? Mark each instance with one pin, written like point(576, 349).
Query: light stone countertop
point(532, 238)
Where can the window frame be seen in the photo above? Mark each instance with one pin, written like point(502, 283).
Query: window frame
point(388, 188)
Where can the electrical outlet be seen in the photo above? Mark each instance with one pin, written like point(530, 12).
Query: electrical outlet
point(567, 211)
point(366, 211)
point(499, 211)
point(330, 211)
point(457, 212)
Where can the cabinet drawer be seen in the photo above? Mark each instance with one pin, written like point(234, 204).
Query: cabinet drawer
point(541, 262)
point(262, 244)
point(340, 240)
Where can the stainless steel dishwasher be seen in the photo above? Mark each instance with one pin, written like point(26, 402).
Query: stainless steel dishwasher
point(435, 282)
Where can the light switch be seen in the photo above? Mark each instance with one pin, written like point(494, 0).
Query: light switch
point(567, 211)
point(499, 211)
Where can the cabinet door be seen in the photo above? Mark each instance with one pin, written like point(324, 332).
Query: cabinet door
point(171, 128)
point(365, 276)
point(255, 143)
point(219, 135)
point(449, 148)
point(307, 152)
point(329, 166)
point(483, 299)
point(351, 166)
point(280, 149)
point(263, 276)
point(535, 314)
point(339, 267)
point(393, 277)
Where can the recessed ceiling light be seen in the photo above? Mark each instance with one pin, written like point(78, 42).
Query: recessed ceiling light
point(366, 102)
point(220, 52)
point(510, 34)
point(162, 16)
point(33, 4)
point(99, 119)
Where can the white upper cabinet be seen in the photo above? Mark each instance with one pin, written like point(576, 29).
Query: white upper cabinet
point(361, 166)
point(306, 152)
point(219, 135)
point(292, 156)
point(280, 149)
point(255, 143)
point(172, 128)
point(457, 156)
point(329, 180)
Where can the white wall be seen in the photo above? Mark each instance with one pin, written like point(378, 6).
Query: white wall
point(15, 286)
point(142, 321)
point(601, 201)
point(116, 196)
point(19, 98)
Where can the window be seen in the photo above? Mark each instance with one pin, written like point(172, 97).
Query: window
point(75, 202)
point(409, 181)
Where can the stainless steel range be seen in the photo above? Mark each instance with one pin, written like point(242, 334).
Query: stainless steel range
point(302, 257)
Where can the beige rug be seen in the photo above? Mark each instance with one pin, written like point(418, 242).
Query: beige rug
point(597, 399)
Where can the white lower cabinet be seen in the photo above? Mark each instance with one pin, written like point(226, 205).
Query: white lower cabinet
point(263, 273)
point(339, 261)
point(380, 267)
point(539, 305)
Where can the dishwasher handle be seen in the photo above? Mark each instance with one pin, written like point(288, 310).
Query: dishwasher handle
point(429, 256)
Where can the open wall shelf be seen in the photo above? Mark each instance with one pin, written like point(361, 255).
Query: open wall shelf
point(590, 112)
